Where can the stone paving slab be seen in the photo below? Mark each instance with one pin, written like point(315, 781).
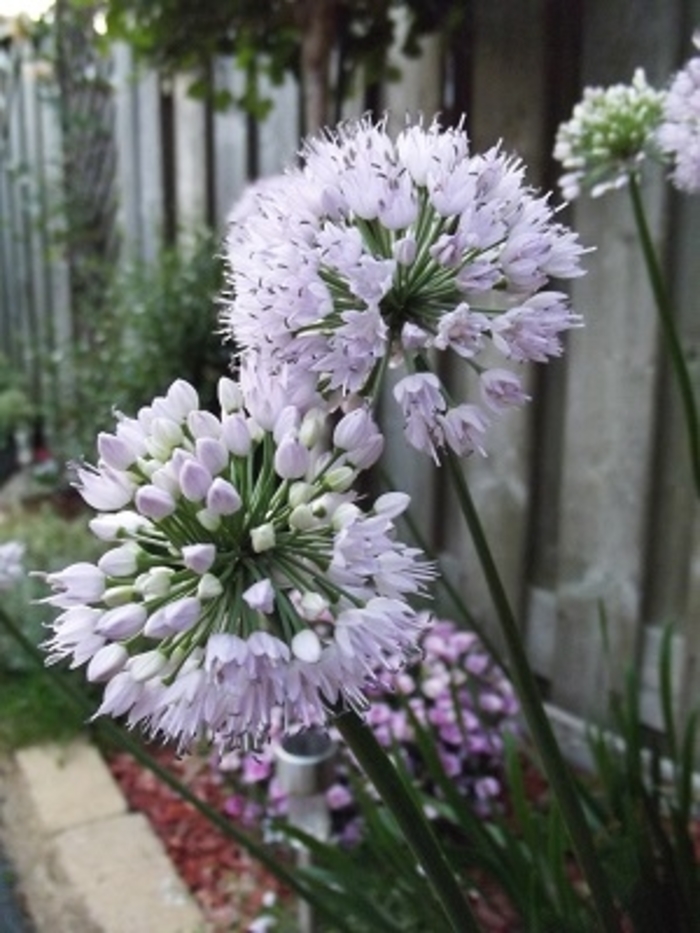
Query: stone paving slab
point(85, 864)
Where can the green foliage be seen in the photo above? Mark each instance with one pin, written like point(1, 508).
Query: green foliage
point(31, 712)
point(51, 542)
point(265, 38)
point(16, 408)
point(155, 323)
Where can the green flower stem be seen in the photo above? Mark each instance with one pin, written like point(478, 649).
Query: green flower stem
point(120, 737)
point(669, 330)
point(553, 762)
point(411, 820)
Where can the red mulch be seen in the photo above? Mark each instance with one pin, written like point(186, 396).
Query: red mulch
point(227, 883)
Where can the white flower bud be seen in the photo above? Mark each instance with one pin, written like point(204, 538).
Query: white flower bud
point(263, 538)
point(115, 451)
point(209, 587)
point(312, 606)
point(195, 481)
point(153, 502)
point(312, 427)
point(208, 519)
point(223, 497)
point(120, 561)
point(155, 583)
point(391, 504)
point(236, 435)
point(346, 514)
point(306, 646)
point(302, 518)
point(107, 662)
point(229, 395)
point(122, 621)
point(181, 398)
point(143, 667)
point(198, 557)
point(291, 459)
point(261, 596)
point(118, 596)
point(339, 479)
point(300, 493)
point(203, 424)
point(212, 454)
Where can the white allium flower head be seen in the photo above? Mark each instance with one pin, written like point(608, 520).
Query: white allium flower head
point(11, 563)
point(610, 134)
point(679, 134)
point(212, 621)
point(379, 249)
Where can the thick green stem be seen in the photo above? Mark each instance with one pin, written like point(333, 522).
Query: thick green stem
point(669, 330)
point(553, 762)
point(411, 820)
point(124, 740)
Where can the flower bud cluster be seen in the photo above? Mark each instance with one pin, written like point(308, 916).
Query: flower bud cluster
point(610, 134)
point(378, 250)
point(241, 576)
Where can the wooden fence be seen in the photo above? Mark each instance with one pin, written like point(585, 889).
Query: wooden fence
point(586, 495)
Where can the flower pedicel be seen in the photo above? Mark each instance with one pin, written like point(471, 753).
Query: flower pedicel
point(243, 577)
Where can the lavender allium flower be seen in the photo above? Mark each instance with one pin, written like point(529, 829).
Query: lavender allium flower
point(378, 250)
point(610, 133)
point(11, 567)
point(679, 133)
point(456, 691)
point(243, 580)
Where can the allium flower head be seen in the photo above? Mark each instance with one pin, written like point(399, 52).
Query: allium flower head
point(611, 132)
point(378, 250)
point(11, 568)
point(679, 133)
point(242, 578)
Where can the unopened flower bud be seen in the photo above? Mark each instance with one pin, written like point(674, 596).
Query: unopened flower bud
point(312, 427)
point(167, 433)
point(345, 515)
point(236, 435)
point(122, 621)
point(203, 424)
point(209, 587)
point(181, 399)
point(208, 519)
point(229, 394)
point(143, 667)
point(391, 504)
point(120, 561)
point(405, 250)
point(260, 596)
point(302, 518)
point(155, 583)
point(107, 662)
point(212, 454)
point(195, 481)
point(198, 557)
point(263, 538)
point(306, 646)
point(300, 493)
point(118, 595)
point(153, 502)
point(339, 479)
point(312, 606)
point(223, 497)
point(115, 451)
point(291, 459)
